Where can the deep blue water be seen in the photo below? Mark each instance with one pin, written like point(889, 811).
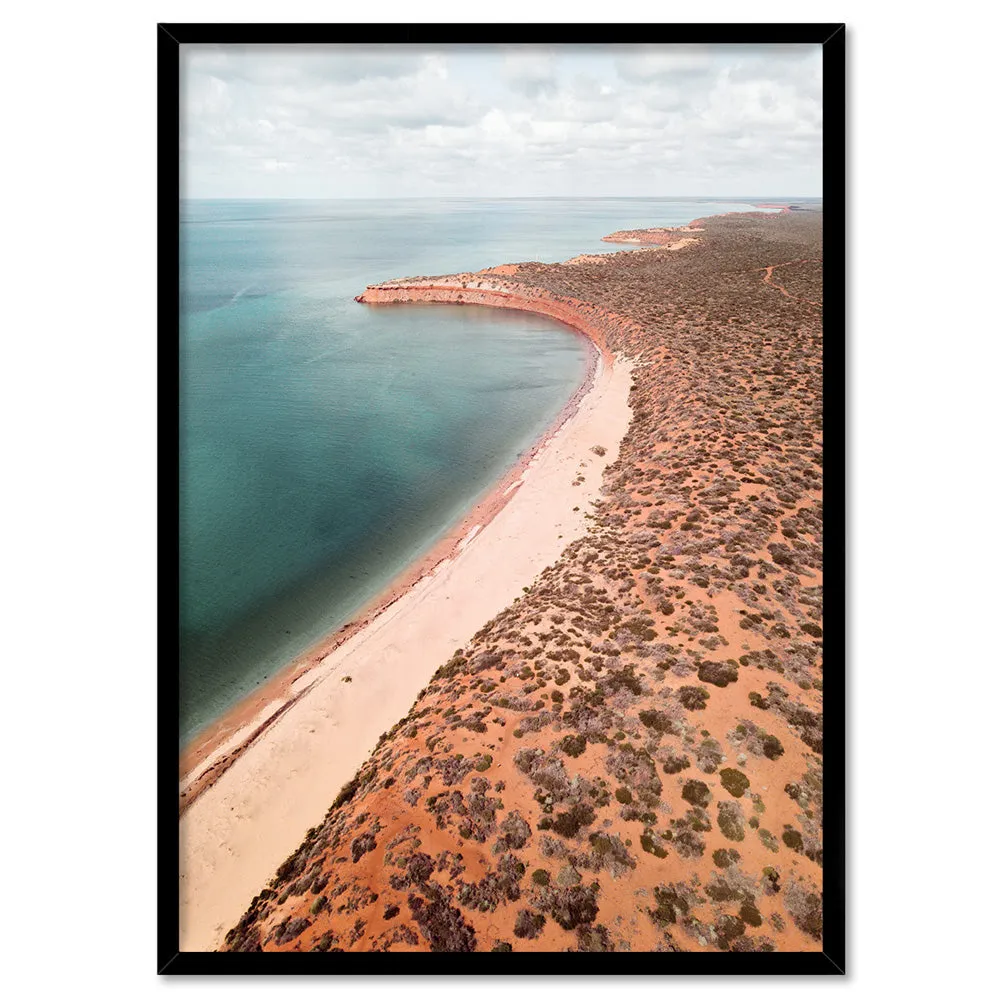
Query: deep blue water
point(325, 444)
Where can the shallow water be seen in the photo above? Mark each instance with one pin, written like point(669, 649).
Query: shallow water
point(325, 445)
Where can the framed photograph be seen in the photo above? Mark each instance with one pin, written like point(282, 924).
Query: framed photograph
point(502, 524)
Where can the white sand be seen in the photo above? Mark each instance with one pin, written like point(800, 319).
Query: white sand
point(234, 836)
point(234, 741)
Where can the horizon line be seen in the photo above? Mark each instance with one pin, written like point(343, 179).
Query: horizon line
point(589, 197)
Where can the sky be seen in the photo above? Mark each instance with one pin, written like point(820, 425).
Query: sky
point(501, 121)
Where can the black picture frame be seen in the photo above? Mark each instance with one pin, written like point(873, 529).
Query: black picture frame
point(832, 960)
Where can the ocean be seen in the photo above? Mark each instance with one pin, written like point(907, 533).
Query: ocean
point(326, 445)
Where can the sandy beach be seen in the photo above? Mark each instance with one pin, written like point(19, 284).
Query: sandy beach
point(251, 784)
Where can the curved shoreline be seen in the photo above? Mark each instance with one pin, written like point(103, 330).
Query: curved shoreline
point(209, 754)
point(474, 289)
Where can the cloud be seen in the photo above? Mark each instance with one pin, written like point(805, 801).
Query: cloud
point(647, 63)
point(273, 166)
point(385, 121)
point(305, 65)
point(530, 72)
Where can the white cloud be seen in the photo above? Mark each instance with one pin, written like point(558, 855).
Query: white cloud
point(665, 62)
point(390, 121)
point(530, 71)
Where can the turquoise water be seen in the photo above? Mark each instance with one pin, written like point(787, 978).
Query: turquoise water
point(324, 444)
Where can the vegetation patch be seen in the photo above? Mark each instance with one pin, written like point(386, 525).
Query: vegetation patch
point(656, 720)
point(696, 792)
point(793, 839)
point(735, 782)
point(568, 824)
point(671, 905)
point(573, 745)
point(723, 858)
point(528, 924)
point(719, 674)
point(693, 698)
point(730, 820)
point(652, 844)
point(361, 846)
point(572, 906)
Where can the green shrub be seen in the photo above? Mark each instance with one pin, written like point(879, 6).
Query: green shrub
point(528, 924)
point(792, 839)
point(655, 720)
point(674, 765)
point(568, 824)
point(696, 792)
point(693, 698)
point(650, 845)
point(731, 821)
point(735, 782)
point(751, 915)
point(768, 839)
point(719, 674)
